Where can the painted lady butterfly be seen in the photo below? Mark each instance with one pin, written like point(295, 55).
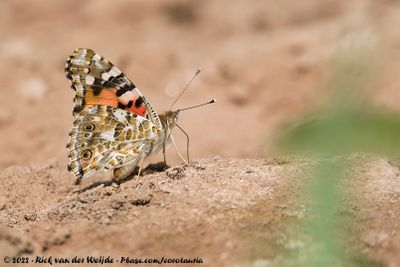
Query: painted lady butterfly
point(115, 126)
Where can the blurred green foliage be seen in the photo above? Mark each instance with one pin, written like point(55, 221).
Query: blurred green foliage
point(346, 131)
point(345, 126)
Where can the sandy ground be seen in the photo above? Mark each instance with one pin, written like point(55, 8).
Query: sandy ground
point(225, 212)
point(197, 211)
point(265, 63)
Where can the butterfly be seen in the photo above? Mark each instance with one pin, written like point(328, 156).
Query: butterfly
point(115, 126)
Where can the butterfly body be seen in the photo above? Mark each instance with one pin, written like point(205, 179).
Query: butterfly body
point(115, 127)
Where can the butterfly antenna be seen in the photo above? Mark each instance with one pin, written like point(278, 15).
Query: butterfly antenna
point(187, 141)
point(199, 105)
point(185, 88)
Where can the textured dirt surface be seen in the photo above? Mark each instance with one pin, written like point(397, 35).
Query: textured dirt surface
point(226, 212)
point(201, 210)
point(266, 63)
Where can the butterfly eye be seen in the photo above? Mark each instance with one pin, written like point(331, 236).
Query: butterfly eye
point(86, 154)
point(89, 127)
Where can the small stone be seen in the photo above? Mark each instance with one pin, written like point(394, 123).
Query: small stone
point(107, 193)
point(2, 206)
point(199, 167)
point(141, 197)
point(30, 217)
point(175, 173)
point(141, 201)
point(117, 204)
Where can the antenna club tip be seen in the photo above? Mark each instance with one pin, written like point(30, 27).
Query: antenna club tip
point(213, 101)
point(198, 71)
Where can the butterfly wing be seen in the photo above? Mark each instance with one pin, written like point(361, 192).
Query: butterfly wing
point(104, 138)
point(97, 81)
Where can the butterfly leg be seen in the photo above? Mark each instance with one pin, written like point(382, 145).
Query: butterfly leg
point(163, 151)
point(176, 148)
point(140, 170)
point(187, 141)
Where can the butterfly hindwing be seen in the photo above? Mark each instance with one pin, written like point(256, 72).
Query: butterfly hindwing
point(97, 81)
point(105, 138)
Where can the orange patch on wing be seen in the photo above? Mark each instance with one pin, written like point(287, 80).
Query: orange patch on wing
point(107, 97)
point(141, 110)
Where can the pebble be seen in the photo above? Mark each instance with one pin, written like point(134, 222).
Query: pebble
point(30, 217)
point(117, 204)
point(175, 173)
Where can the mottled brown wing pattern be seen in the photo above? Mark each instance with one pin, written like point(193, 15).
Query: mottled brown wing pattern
point(104, 138)
point(97, 81)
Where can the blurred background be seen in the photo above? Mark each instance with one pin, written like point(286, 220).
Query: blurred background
point(266, 63)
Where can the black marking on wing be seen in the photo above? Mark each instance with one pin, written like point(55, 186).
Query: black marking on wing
point(79, 108)
point(96, 90)
point(139, 102)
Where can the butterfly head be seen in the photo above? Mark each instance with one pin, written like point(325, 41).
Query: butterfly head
point(169, 118)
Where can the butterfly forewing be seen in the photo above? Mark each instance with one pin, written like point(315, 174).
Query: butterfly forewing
point(97, 81)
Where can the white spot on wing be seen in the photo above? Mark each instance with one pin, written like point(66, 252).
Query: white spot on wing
point(96, 57)
point(119, 114)
point(125, 98)
point(95, 119)
point(109, 136)
point(89, 79)
point(114, 72)
point(105, 76)
point(139, 119)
